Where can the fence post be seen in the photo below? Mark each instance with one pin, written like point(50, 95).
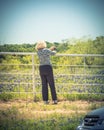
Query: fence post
point(33, 77)
point(85, 72)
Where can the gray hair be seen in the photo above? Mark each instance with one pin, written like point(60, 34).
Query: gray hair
point(40, 45)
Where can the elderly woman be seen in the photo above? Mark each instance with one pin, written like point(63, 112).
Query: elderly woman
point(46, 71)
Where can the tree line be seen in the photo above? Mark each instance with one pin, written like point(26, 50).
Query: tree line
point(71, 46)
point(68, 46)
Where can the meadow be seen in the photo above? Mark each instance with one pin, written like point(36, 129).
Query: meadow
point(21, 106)
point(29, 115)
point(79, 83)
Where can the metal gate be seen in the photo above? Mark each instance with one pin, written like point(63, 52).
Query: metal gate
point(73, 73)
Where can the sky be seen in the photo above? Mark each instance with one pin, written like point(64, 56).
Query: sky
point(29, 21)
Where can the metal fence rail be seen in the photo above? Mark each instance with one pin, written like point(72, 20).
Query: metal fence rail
point(70, 76)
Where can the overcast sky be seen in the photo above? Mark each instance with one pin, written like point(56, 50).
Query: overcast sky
point(28, 21)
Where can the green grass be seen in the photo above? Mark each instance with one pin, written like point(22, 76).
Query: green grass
point(26, 111)
point(29, 115)
point(5, 96)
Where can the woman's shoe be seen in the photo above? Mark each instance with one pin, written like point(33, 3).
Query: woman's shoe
point(46, 102)
point(55, 102)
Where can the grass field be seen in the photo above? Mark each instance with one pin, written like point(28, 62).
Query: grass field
point(29, 115)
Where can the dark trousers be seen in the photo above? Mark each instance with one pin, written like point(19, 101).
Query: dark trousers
point(46, 74)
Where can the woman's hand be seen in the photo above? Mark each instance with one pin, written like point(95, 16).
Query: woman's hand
point(52, 48)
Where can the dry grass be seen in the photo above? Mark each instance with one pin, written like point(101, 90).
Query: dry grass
point(29, 109)
point(29, 115)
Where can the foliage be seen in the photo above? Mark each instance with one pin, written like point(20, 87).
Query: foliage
point(76, 46)
point(17, 47)
point(70, 46)
point(6, 96)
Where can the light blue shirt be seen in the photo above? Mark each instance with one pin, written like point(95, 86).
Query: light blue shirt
point(44, 56)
